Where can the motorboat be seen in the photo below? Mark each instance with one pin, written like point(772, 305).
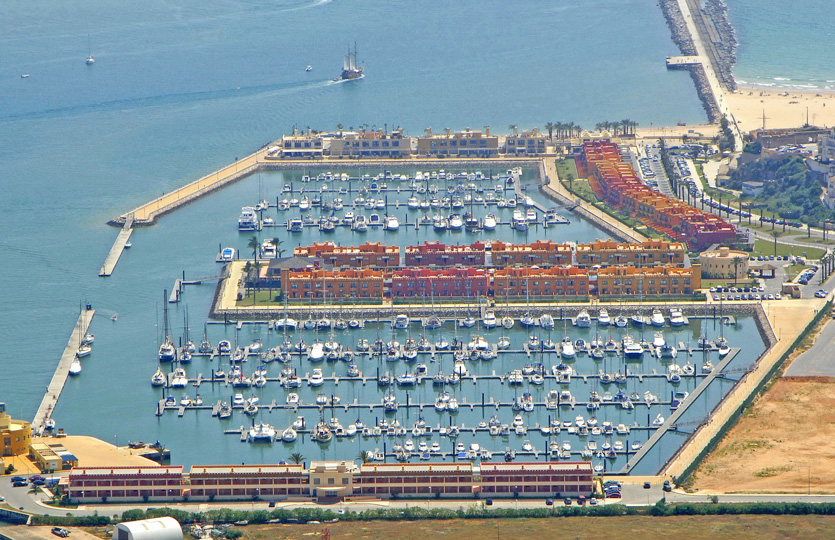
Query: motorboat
point(508, 322)
point(432, 322)
point(583, 319)
point(261, 432)
point(316, 378)
point(489, 320)
point(391, 223)
point(658, 340)
point(676, 317)
point(546, 320)
point(567, 350)
point(467, 322)
point(316, 352)
point(489, 223)
point(621, 321)
point(657, 318)
point(400, 322)
point(289, 435)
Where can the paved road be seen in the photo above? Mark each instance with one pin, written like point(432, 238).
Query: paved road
point(817, 361)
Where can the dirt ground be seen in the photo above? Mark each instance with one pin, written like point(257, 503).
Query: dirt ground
point(783, 443)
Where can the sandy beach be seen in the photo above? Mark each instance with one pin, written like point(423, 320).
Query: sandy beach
point(783, 109)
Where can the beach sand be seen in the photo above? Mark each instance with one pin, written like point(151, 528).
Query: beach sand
point(783, 109)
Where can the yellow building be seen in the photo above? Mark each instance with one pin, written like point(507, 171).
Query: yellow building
point(724, 263)
point(52, 457)
point(15, 435)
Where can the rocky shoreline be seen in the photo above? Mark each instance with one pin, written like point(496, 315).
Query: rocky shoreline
point(717, 12)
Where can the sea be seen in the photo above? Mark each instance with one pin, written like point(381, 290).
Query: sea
point(782, 44)
point(178, 90)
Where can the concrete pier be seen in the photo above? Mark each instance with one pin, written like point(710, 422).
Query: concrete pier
point(118, 248)
point(56, 385)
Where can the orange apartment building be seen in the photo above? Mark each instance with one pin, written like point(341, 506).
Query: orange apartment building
point(446, 282)
point(536, 479)
point(540, 282)
point(617, 183)
point(369, 254)
point(658, 280)
point(317, 283)
point(538, 253)
point(433, 252)
point(609, 252)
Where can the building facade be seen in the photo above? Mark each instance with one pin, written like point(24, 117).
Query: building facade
point(331, 480)
point(447, 282)
point(724, 263)
point(369, 254)
point(125, 484)
point(661, 280)
point(466, 143)
point(650, 252)
point(540, 282)
point(301, 146)
point(219, 482)
point(371, 144)
point(15, 435)
point(527, 143)
point(433, 252)
point(537, 253)
point(318, 283)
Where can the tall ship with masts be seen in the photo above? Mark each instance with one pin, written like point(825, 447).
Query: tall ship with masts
point(350, 70)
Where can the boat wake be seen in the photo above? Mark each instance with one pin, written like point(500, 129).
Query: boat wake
point(166, 99)
point(340, 81)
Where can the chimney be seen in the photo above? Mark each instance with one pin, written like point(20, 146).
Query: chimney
point(429, 132)
point(487, 130)
point(447, 132)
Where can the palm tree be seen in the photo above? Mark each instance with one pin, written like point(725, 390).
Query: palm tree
point(297, 457)
point(514, 128)
point(254, 244)
point(365, 456)
point(775, 234)
point(550, 127)
point(277, 242)
point(737, 261)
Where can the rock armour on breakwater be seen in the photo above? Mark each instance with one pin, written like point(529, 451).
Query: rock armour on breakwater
point(717, 13)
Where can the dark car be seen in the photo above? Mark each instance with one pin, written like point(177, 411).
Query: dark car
point(647, 485)
point(549, 502)
point(20, 483)
point(39, 482)
point(18, 479)
point(567, 501)
point(36, 477)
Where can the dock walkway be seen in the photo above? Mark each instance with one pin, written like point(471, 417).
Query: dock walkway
point(56, 385)
point(118, 248)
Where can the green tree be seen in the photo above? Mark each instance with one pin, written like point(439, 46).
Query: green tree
point(776, 235)
point(297, 457)
point(277, 242)
point(550, 127)
point(365, 456)
point(254, 245)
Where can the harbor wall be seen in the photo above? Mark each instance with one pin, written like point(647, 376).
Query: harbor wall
point(723, 417)
point(11, 516)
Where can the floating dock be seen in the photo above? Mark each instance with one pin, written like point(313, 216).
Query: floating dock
point(118, 248)
point(56, 385)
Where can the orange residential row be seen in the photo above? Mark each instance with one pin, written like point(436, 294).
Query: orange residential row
point(617, 183)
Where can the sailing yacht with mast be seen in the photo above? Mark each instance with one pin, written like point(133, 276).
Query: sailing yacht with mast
point(350, 70)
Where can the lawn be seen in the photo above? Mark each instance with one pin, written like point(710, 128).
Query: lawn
point(566, 167)
point(580, 188)
point(766, 247)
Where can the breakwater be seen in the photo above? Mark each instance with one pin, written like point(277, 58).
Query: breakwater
point(716, 29)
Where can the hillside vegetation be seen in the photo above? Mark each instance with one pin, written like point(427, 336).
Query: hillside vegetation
point(789, 190)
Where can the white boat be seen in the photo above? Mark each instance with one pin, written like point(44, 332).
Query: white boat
point(248, 220)
point(489, 320)
point(676, 317)
point(392, 224)
point(288, 435)
point(658, 340)
point(657, 318)
point(489, 222)
point(531, 215)
point(316, 352)
point(567, 350)
point(546, 320)
point(83, 350)
point(583, 319)
point(158, 378)
point(179, 379)
point(508, 322)
point(633, 351)
point(261, 432)
point(400, 322)
point(621, 321)
point(603, 318)
point(455, 222)
point(88, 339)
point(75, 366)
point(316, 378)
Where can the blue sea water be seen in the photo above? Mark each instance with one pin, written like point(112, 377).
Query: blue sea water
point(179, 89)
point(783, 44)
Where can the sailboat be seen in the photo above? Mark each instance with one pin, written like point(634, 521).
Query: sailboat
point(350, 71)
point(90, 58)
point(167, 352)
